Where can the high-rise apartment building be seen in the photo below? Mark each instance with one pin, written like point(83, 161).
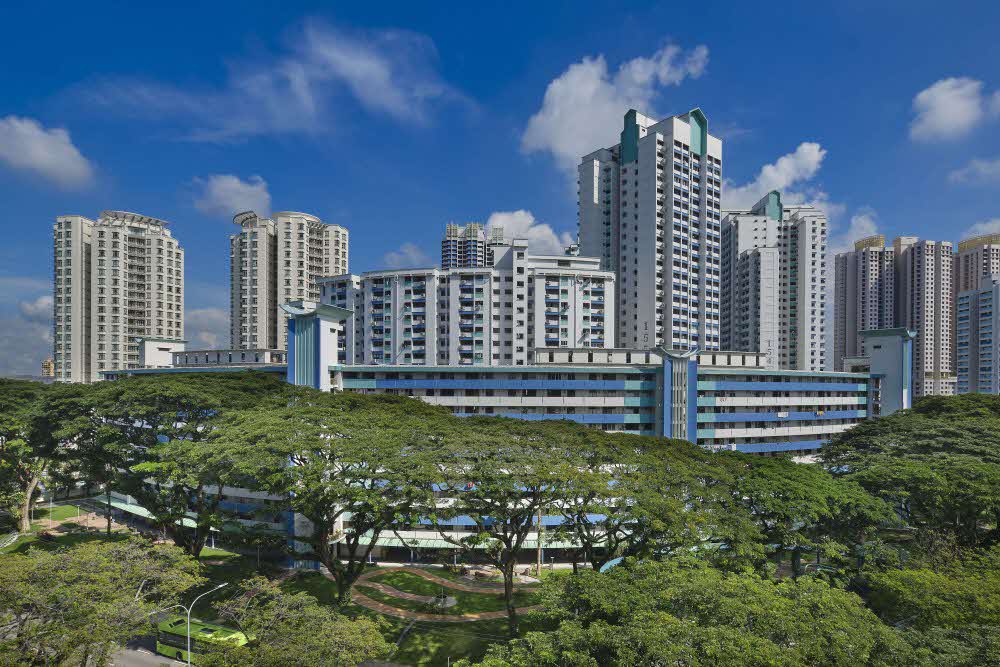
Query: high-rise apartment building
point(864, 296)
point(977, 345)
point(48, 367)
point(490, 316)
point(774, 283)
point(977, 261)
point(650, 209)
point(909, 285)
point(925, 303)
point(273, 261)
point(468, 245)
point(115, 280)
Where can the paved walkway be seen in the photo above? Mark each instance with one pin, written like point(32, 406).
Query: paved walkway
point(487, 589)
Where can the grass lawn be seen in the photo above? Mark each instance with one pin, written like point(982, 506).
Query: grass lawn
point(467, 603)
point(56, 512)
point(425, 644)
point(432, 644)
point(66, 535)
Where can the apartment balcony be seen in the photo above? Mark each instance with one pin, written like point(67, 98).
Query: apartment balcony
point(552, 301)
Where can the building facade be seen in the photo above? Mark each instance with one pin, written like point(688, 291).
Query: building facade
point(468, 246)
point(115, 280)
point(925, 303)
point(977, 262)
point(978, 348)
point(273, 261)
point(719, 400)
point(650, 209)
point(908, 285)
point(480, 316)
point(865, 295)
point(774, 283)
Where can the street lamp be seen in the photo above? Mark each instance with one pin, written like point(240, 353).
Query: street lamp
point(189, 618)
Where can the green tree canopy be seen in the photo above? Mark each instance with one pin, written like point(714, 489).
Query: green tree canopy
point(937, 465)
point(79, 605)
point(684, 611)
point(293, 629)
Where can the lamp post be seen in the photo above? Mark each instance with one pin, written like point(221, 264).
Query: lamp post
point(195, 601)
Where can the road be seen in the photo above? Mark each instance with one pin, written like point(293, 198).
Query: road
point(140, 653)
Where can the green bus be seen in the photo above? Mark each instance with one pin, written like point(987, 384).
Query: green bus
point(172, 637)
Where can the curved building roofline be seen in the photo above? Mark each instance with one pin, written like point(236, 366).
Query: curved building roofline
point(128, 216)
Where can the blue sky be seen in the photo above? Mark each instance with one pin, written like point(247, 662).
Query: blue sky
point(393, 120)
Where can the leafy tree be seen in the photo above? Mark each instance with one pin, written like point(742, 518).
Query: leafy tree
point(164, 428)
point(30, 442)
point(79, 605)
point(937, 465)
point(635, 496)
point(501, 474)
point(684, 611)
point(354, 466)
point(802, 508)
point(927, 595)
point(294, 629)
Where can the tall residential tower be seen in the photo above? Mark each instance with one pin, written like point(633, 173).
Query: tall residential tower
point(650, 208)
point(117, 279)
point(774, 283)
point(468, 246)
point(273, 261)
point(908, 285)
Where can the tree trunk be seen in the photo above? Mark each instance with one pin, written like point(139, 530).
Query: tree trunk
point(508, 598)
point(107, 490)
point(27, 504)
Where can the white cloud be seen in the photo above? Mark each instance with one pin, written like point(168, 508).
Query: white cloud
point(583, 107)
point(792, 169)
point(950, 109)
point(225, 195)
point(408, 256)
point(982, 228)
point(521, 224)
point(863, 223)
point(977, 172)
point(26, 145)
point(24, 344)
point(38, 311)
point(207, 328)
point(389, 72)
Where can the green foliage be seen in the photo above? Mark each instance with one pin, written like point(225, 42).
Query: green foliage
point(937, 465)
point(503, 474)
point(79, 605)
point(943, 595)
point(366, 457)
point(687, 612)
point(294, 629)
point(800, 508)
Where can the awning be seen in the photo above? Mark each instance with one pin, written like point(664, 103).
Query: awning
point(437, 543)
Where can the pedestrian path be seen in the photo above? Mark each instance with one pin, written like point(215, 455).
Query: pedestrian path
point(363, 600)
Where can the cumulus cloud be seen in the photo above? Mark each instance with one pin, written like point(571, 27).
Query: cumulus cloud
point(207, 328)
point(25, 145)
point(521, 224)
point(407, 256)
point(951, 108)
point(787, 174)
point(225, 195)
point(389, 72)
point(863, 223)
point(583, 107)
point(981, 228)
point(979, 172)
point(24, 345)
point(38, 310)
